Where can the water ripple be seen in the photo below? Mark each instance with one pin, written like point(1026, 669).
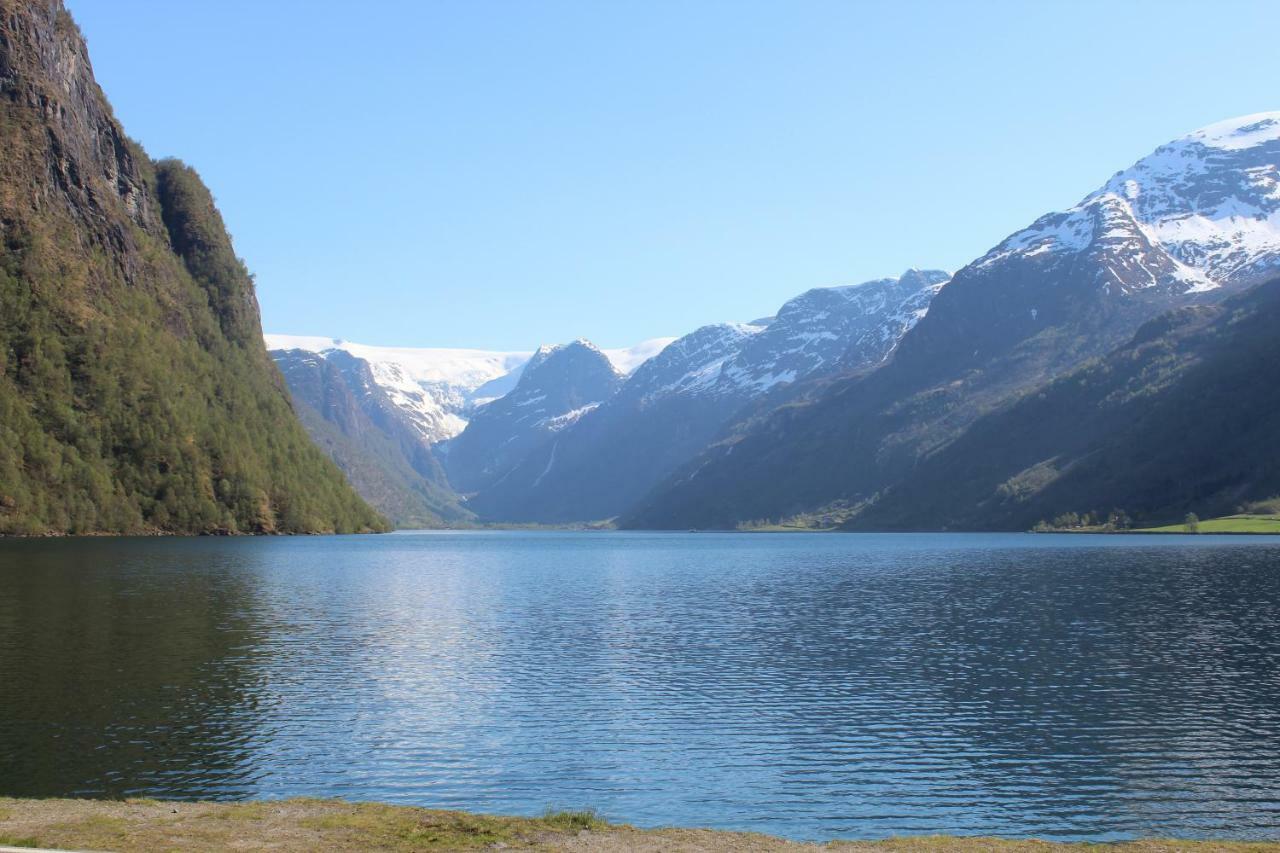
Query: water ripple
point(811, 686)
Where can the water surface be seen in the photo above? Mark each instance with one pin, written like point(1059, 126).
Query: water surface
point(812, 686)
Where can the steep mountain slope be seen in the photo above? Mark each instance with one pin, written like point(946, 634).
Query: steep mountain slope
point(677, 402)
point(1181, 419)
point(375, 442)
point(387, 415)
point(1188, 224)
point(135, 392)
point(557, 386)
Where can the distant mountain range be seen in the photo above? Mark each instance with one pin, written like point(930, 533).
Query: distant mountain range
point(573, 433)
point(898, 403)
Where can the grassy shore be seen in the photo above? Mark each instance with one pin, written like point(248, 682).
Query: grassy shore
point(334, 825)
point(1226, 524)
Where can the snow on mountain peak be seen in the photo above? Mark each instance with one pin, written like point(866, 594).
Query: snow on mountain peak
point(627, 359)
point(1236, 133)
point(439, 387)
point(826, 329)
point(831, 329)
point(1198, 212)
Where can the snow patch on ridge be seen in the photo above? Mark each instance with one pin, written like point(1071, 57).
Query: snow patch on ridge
point(1236, 133)
point(627, 359)
point(559, 422)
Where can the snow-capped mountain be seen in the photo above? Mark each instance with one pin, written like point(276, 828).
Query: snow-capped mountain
point(692, 364)
point(439, 388)
point(1194, 222)
point(824, 330)
point(676, 402)
point(1197, 213)
point(558, 385)
point(830, 329)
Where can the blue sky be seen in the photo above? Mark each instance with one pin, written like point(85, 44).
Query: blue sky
point(503, 174)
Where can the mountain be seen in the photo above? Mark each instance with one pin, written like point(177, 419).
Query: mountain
point(829, 330)
point(388, 415)
point(437, 388)
point(594, 466)
point(374, 441)
point(558, 385)
point(135, 392)
point(673, 405)
point(1197, 215)
point(1190, 224)
point(1180, 419)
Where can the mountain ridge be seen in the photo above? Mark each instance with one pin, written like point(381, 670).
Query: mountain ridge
point(558, 385)
point(673, 405)
point(1070, 287)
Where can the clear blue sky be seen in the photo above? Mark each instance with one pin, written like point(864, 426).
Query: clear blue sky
point(502, 174)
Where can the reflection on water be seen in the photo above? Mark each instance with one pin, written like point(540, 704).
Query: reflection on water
point(812, 686)
point(127, 666)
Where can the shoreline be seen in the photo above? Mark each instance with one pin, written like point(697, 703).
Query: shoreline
point(533, 528)
point(290, 825)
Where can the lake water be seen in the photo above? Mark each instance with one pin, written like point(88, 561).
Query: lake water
point(812, 686)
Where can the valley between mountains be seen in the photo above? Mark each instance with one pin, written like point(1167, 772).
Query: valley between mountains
point(1110, 358)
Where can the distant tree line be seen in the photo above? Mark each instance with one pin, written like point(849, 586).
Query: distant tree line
point(1117, 519)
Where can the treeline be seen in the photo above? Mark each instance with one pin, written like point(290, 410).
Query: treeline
point(1117, 519)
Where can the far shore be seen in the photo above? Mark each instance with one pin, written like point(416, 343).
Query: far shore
point(1233, 525)
point(292, 826)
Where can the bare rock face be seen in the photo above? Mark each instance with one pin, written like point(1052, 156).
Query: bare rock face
point(44, 65)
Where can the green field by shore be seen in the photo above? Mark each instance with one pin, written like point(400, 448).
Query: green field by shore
point(1226, 524)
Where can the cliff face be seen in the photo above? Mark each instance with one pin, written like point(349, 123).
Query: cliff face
point(135, 392)
point(84, 161)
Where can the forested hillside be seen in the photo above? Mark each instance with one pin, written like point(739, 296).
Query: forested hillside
point(136, 394)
